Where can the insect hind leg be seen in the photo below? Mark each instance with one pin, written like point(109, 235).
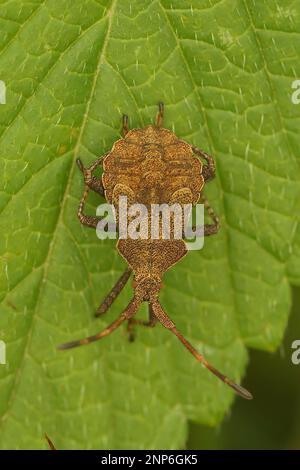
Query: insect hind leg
point(113, 294)
point(132, 322)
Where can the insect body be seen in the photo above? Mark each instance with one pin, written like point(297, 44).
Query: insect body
point(150, 166)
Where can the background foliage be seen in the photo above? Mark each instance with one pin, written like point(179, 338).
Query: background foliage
point(272, 420)
point(224, 70)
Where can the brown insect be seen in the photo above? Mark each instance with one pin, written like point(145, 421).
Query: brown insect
point(150, 165)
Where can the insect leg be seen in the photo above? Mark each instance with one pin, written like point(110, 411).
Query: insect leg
point(115, 291)
point(125, 315)
point(209, 229)
point(94, 183)
point(209, 170)
point(152, 317)
point(88, 220)
point(160, 114)
point(152, 320)
point(125, 128)
point(167, 323)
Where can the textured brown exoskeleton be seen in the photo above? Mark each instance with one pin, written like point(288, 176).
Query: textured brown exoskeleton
point(150, 166)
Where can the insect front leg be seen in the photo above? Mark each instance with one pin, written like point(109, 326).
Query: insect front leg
point(209, 170)
point(94, 183)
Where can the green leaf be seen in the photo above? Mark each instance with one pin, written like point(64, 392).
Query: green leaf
point(224, 70)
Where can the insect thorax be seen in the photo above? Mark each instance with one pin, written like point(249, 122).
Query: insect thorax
point(154, 164)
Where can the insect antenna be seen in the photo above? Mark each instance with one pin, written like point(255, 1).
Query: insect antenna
point(129, 312)
point(167, 323)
